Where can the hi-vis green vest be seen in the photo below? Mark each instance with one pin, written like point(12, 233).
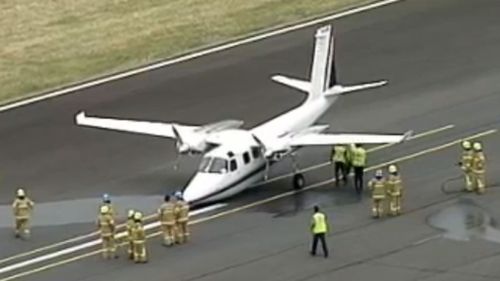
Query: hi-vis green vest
point(339, 153)
point(359, 157)
point(319, 221)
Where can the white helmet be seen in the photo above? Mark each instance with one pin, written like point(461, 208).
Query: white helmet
point(393, 169)
point(131, 213)
point(178, 195)
point(138, 216)
point(466, 145)
point(20, 192)
point(378, 173)
point(477, 146)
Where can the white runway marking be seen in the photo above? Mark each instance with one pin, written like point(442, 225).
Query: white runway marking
point(93, 243)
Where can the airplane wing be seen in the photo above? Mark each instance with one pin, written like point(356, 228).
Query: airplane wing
point(332, 139)
point(132, 126)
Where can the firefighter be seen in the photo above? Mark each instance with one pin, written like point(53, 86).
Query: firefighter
point(378, 188)
point(22, 207)
point(358, 163)
point(478, 168)
point(130, 226)
point(139, 239)
point(106, 225)
point(166, 215)
point(339, 159)
point(181, 218)
point(466, 164)
point(394, 190)
point(106, 201)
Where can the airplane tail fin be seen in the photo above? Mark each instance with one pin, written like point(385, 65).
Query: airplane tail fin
point(323, 75)
point(323, 82)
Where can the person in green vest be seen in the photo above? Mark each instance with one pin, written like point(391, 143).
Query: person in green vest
point(319, 228)
point(339, 159)
point(358, 163)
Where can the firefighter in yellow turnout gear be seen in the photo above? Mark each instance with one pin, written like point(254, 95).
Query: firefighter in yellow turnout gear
point(378, 188)
point(22, 208)
point(466, 164)
point(107, 227)
point(166, 215)
point(478, 168)
point(181, 218)
point(139, 240)
point(130, 226)
point(394, 190)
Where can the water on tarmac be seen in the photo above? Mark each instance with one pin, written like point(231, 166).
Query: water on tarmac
point(465, 220)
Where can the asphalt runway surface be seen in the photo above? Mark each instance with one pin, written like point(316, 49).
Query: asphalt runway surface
point(441, 60)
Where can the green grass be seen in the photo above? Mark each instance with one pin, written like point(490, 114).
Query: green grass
point(46, 44)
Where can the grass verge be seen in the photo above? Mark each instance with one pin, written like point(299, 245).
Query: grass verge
point(46, 44)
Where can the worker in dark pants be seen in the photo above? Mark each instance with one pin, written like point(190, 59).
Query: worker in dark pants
point(319, 228)
point(358, 163)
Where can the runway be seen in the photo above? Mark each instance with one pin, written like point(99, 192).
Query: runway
point(440, 58)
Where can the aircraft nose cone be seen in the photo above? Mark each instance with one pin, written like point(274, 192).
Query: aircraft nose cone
point(199, 188)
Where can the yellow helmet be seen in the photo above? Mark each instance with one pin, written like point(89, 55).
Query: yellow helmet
point(131, 213)
point(20, 192)
point(378, 173)
point(104, 209)
point(477, 146)
point(138, 216)
point(466, 145)
point(393, 169)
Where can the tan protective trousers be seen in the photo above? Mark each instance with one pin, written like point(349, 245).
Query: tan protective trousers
point(169, 233)
point(22, 227)
point(140, 253)
point(469, 178)
point(378, 206)
point(108, 247)
point(395, 204)
point(182, 232)
point(479, 180)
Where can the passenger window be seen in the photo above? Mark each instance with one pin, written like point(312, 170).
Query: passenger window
point(255, 152)
point(246, 157)
point(233, 165)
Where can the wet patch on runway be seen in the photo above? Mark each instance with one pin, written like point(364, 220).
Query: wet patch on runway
point(464, 221)
point(305, 201)
point(81, 210)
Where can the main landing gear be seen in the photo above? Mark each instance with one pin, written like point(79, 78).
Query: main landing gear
point(298, 178)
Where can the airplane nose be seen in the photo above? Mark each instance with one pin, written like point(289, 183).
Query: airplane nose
point(199, 189)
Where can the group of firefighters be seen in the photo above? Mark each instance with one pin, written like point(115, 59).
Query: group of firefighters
point(389, 190)
point(173, 214)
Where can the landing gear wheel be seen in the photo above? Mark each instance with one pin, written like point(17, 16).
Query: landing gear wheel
point(298, 181)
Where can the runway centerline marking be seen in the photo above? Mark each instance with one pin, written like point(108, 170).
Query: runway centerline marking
point(152, 216)
point(196, 54)
point(264, 201)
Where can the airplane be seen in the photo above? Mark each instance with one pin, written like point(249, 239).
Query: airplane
point(235, 159)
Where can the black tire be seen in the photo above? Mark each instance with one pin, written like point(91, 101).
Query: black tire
point(298, 181)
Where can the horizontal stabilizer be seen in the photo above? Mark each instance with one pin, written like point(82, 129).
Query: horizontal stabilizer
point(293, 82)
point(342, 90)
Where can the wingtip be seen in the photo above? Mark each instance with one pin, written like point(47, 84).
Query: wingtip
point(80, 116)
point(407, 135)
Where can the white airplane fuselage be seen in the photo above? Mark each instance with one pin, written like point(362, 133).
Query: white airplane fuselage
point(206, 186)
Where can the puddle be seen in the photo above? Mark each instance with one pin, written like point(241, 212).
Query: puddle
point(465, 220)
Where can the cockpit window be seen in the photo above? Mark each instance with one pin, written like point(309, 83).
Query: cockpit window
point(213, 165)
